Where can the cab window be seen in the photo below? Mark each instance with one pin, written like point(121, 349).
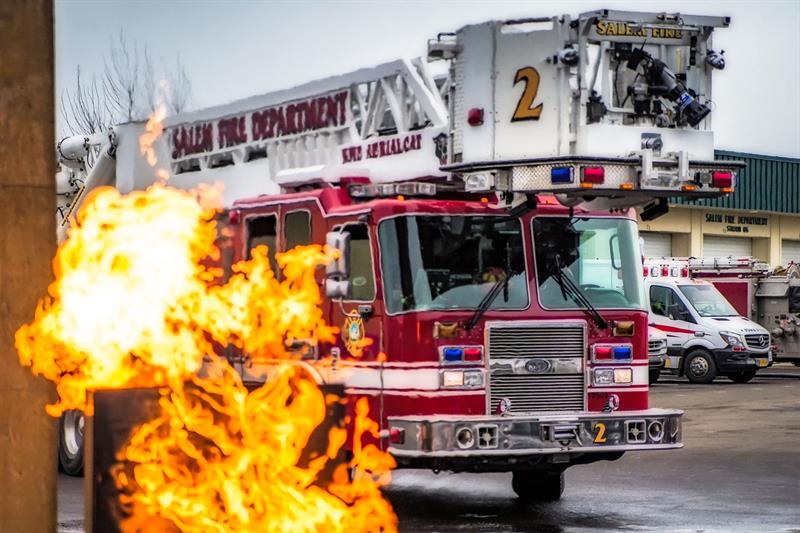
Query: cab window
point(297, 229)
point(263, 230)
point(362, 278)
point(665, 302)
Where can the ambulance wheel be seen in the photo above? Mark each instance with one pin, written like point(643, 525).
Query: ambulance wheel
point(700, 367)
point(533, 487)
point(742, 377)
point(70, 442)
point(654, 374)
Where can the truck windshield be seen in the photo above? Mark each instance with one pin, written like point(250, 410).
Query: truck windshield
point(707, 300)
point(599, 256)
point(451, 262)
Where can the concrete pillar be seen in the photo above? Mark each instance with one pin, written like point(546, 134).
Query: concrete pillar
point(696, 235)
point(761, 248)
point(681, 244)
point(775, 241)
point(27, 242)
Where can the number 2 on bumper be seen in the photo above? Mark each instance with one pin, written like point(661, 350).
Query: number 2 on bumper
point(600, 433)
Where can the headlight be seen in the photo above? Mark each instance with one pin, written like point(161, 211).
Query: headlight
point(731, 338)
point(603, 377)
point(467, 379)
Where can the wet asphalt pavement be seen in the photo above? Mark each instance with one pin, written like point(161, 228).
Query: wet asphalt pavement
point(739, 471)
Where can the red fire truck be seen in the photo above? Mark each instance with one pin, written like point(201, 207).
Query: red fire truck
point(765, 295)
point(482, 201)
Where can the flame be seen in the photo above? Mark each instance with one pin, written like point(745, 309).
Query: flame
point(134, 303)
point(137, 301)
point(153, 129)
point(221, 459)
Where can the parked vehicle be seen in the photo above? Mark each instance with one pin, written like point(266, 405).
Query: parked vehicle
point(768, 296)
point(706, 336)
point(485, 224)
point(656, 352)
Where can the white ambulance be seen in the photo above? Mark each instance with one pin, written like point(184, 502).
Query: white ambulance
point(706, 336)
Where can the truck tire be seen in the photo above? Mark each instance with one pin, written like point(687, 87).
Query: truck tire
point(700, 367)
point(742, 377)
point(533, 487)
point(70, 442)
point(653, 374)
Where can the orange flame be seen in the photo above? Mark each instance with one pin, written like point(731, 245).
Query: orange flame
point(135, 303)
point(153, 129)
point(225, 460)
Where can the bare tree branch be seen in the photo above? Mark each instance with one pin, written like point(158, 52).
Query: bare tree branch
point(127, 90)
point(179, 89)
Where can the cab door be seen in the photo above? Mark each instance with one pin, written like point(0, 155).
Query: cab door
point(670, 314)
point(358, 316)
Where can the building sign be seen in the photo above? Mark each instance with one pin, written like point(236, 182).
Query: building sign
point(300, 116)
point(745, 225)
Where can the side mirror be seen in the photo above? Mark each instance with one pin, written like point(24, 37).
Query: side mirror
point(337, 289)
point(339, 240)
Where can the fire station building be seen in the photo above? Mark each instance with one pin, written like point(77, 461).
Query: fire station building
point(761, 218)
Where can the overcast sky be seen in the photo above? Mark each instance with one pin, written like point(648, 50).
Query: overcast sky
point(235, 49)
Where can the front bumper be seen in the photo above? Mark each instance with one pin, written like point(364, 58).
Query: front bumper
point(729, 361)
point(656, 361)
point(556, 434)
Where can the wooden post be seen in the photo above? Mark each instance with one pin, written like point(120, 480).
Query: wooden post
point(27, 242)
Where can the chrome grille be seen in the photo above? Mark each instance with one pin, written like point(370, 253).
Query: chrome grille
point(536, 342)
point(537, 392)
point(759, 341)
point(655, 347)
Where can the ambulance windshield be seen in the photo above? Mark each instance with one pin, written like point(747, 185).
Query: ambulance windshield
point(600, 257)
point(451, 262)
point(707, 300)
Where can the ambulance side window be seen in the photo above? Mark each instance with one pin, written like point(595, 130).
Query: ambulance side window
point(297, 229)
point(665, 302)
point(263, 230)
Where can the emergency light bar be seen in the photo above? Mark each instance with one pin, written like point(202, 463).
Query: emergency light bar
point(392, 189)
point(727, 263)
point(630, 181)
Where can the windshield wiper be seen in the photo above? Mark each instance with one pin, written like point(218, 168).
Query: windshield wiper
point(487, 300)
point(569, 287)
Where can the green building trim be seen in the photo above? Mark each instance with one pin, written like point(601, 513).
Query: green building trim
point(768, 183)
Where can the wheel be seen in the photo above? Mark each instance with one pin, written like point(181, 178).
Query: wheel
point(70, 442)
point(534, 487)
point(700, 367)
point(654, 374)
point(742, 377)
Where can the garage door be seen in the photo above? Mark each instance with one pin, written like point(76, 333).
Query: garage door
point(715, 246)
point(657, 244)
point(790, 251)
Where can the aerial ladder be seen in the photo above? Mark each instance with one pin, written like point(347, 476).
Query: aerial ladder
point(610, 109)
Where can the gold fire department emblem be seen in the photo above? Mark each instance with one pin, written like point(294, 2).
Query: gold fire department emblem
point(353, 333)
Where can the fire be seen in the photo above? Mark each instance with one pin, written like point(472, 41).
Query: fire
point(222, 459)
point(126, 281)
point(137, 301)
point(153, 129)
